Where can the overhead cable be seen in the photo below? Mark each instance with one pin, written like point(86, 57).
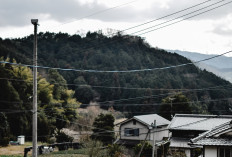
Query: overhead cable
point(117, 71)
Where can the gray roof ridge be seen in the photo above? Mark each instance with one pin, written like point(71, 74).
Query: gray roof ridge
point(213, 131)
point(137, 117)
point(192, 123)
point(141, 121)
point(202, 115)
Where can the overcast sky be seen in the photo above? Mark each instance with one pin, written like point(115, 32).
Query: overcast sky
point(209, 33)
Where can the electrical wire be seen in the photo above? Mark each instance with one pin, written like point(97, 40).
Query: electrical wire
point(160, 18)
point(112, 87)
point(99, 45)
point(179, 17)
point(185, 18)
point(117, 71)
point(96, 13)
point(141, 97)
point(151, 96)
point(157, 20)
point(153, 104)
point(110, 131)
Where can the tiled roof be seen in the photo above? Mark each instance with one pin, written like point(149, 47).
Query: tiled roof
point(148, 119)
point(212, 137)
point(214, 142)
point(197, 122)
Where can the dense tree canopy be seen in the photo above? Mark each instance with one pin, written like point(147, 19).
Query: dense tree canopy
point(120, 52)
point(16, 102)
point(178, 103)
point(103, 128)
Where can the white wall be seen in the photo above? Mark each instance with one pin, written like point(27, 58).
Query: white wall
point(188, 152)
point(210, 151)
point(159, 133)
point(142, 131)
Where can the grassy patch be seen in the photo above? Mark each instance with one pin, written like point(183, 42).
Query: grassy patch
point(11, 155)
point(71, 153)
point(15, 150)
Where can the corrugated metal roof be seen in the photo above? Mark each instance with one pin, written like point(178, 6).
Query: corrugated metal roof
point(197, 122)
point(148, 119)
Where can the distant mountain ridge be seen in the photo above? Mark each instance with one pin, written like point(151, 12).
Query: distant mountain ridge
point(221, 66)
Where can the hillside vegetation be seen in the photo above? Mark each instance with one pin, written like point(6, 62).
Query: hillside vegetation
point(96, 51)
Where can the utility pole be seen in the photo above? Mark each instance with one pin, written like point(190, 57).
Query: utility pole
point(153, 145)
point(34, 120)
point(143, 143)
point(171, 99)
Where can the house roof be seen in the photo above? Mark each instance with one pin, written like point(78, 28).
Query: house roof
point(212, 137)
point(197, 122)
point(149, 119)
point(213, 142)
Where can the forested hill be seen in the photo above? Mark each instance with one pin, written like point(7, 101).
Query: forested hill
point(122, 52)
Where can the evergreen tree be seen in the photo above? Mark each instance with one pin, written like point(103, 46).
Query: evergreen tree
point(4, 130)
point(103, 128)
point(175, 104)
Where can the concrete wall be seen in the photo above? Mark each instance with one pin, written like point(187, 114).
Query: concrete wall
point(210, 151)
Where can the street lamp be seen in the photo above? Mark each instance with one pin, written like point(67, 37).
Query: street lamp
point(34, 119)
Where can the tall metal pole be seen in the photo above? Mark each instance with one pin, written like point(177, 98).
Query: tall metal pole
point(34, 121)
point(153, 145)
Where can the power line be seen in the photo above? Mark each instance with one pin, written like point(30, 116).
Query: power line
point(113, 87)
point(108, 131)
point(185, 18)
point(79, 124)
point(74, 106)
point(96, 13)
point(152, 96)
point(157, 20)
point(179, 17)
point(117, 71)
point(166, 15)
point(171, 23)
point(141, 97)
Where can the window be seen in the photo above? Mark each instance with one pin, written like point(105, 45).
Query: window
point(224, 152)
point(134, 122)
point(131, 132)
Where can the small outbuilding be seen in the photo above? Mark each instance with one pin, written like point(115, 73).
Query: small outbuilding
point(21, 139)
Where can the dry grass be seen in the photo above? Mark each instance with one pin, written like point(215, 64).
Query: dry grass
point(15, 150)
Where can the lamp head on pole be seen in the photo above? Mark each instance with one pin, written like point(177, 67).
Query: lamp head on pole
point(34, 21)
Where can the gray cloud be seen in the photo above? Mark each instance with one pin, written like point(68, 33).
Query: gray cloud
point(222, 30)
point(19, 12)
